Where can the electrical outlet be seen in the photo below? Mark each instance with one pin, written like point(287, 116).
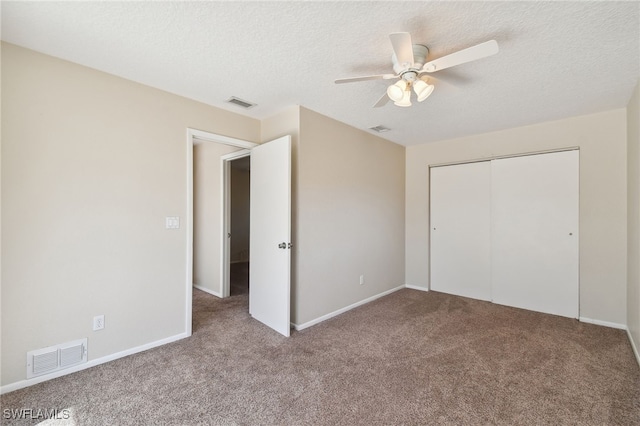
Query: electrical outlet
point(361, 279)
point(98, 322)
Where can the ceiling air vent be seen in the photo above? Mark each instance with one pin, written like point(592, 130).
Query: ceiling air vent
point(380, 129)
point(240, 102)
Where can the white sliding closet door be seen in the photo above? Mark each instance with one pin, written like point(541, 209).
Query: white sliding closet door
point(460, 229)
point(534, 262)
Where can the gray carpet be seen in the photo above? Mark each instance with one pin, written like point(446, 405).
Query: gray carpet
point(408, 358)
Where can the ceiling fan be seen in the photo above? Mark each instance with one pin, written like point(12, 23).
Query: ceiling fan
point(410, 67)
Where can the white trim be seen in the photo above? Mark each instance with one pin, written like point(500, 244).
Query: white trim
point(318, 320)
point(236, 155)
point(225, 226)
point(30, 382)
point(633, 346)
point(203, 136)
point(603, 323)
point(188, 225)
point(206, 290)
point(415, 287)
point(194, 137)
point(499, 157)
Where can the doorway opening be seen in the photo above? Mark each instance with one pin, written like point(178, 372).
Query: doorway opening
point(270, 230)
point(236, 168)
point(216, 257)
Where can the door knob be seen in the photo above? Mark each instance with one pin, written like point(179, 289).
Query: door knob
point(282, 245)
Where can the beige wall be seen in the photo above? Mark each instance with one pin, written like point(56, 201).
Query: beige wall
point(91, 165)
point(603, 194)
point(350, 212)
point(633, 217)
point(207, 212)
point(240, 210)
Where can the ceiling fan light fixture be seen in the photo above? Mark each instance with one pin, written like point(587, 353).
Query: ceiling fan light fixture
point(397, 90)
point(406, 99)
point(422, 89)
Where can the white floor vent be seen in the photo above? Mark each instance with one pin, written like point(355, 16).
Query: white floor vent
point(54, 358)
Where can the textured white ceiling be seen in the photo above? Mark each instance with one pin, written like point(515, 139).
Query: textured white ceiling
point(557, 59)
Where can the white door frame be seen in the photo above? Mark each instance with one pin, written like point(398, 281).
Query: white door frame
point(225, 205)
point(195, 137)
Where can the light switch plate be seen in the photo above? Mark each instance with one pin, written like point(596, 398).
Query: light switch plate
point(172, 222)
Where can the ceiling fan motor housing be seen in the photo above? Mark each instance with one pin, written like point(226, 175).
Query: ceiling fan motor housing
point(409, 76)
point(420, 53)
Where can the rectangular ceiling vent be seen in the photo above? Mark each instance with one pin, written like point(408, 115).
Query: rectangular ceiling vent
point(240, 102)
point(380, 129)
point(54, 358)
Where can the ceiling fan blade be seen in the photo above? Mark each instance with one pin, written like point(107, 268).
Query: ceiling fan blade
point(382, 101)
point(403, 48)
point(365, 78)
point(469, 54)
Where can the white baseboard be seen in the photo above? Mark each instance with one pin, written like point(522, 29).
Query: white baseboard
point(634, 346)
point(603, 323)
point(92, 363)
point(318, 320)
point(206, 290)
point(414, 287)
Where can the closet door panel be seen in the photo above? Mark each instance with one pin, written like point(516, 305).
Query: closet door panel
point(534, 239)
point(460, 229)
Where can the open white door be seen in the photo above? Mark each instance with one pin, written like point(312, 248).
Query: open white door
point(270, 234)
